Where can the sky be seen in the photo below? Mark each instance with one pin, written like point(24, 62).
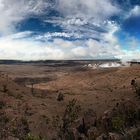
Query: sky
point(69, 29)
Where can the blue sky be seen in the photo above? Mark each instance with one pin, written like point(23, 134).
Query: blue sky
point(69, 29)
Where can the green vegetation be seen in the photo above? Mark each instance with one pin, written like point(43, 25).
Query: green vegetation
point(2, 104)
point(20, 128)
point(136, 87)
point(32, 137)
point(5, 89)
point(60, 97)
point(71, 113)
point(118, 123)
point(3, 119)
point(63, 124)
point(46, 118)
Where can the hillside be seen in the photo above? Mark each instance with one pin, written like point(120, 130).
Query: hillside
point(35, 113)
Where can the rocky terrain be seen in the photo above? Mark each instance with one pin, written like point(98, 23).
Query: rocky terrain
point(66, 101)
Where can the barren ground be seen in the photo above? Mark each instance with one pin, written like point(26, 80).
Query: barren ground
point(98, 89)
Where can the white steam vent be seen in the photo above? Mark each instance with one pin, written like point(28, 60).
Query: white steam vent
point(107, 65)
point(110, 65)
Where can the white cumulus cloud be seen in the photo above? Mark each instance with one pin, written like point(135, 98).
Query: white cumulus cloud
point(14, 11)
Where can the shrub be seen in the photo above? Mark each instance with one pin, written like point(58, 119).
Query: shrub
point(118, 123)
point(32, 88)
point(31, 137)
point(136, 87)
point(71, 114)
point(4, 122)
point(2, 104)
point(21, 128)
point(3, 119)
point(5, 88)
point(63, 124)
point(130, 116)
point(60, 97)
point(56, 121)
point(47, 119)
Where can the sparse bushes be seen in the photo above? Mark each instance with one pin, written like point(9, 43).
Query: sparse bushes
point(32, 88)
point(27, 110)
point(135, 86)
point(5, 89)
point(4, 120)
point(125, 115)
point(118, 123)
point(47, 119)
point(21, 128)
point(138, 114)
point(114, 122)
point(19, 97)
point(89, 121)
point(63, 124)
point(57, 122)
point(2, 104)
point(71, 113)
point(60, 97)
point(32, 137)
point(130, 117)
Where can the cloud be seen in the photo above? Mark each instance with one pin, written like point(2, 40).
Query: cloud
point(128, 55)
point(88, 8)
point(78, 28)
point(53, 35)
point(27, 49)
point(17, 46)
point(134, 12)
point(86, 18)
point(78, 16)
point(131, 42)
point(86, 30)
point(15, 11)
